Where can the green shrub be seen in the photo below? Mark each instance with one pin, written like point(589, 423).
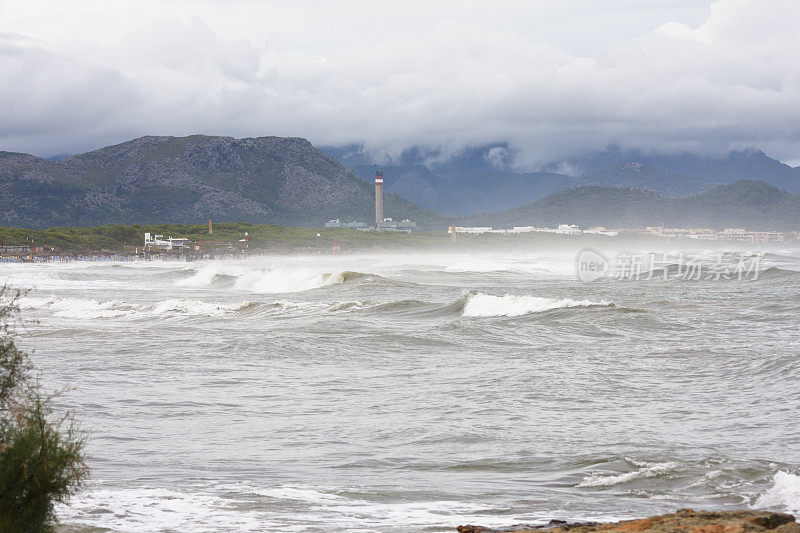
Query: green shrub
point(41, 457)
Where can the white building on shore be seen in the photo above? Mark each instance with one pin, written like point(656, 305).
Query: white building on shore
point(568, 229)
point(157, 242)
point(600, 230)
point(476, 230)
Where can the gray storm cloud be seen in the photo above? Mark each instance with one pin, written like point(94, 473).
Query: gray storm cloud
point(702, 78)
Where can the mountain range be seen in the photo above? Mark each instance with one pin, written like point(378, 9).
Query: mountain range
point(462, 184)
point(743, 204)
point(287, 181)
point(483, 179)
point(271, 180)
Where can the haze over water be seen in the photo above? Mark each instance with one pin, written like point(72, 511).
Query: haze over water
point(415, 392)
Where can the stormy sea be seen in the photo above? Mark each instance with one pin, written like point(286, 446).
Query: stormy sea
point(417, 392)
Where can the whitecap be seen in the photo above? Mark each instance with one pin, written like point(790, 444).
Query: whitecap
point(79, 308)
point(486, 305)
point(76, 308)
point(277, 281)
point(244, 507)
point(195, 308)
point(263, 280)
point(785, 492)
point(646, 470)
point(155, 509)
point(203, 277)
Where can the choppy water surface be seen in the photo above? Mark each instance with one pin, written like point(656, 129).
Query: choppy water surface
point(416, 392)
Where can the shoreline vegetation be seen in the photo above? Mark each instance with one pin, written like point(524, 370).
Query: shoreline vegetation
point(118, 242)
point(682, 521)
point(42, 459)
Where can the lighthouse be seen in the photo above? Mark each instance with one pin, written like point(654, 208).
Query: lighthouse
point(378, 198)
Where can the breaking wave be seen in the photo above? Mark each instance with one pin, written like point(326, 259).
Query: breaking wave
point(646, 470)
point(269, 280)
point(486, 305)
point(785, 492)
point(281, 508)
point(284, 280)
point(197, 308)
point(336, 307)
point(77, 307)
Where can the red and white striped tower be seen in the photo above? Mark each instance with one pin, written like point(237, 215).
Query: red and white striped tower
point(378, 197)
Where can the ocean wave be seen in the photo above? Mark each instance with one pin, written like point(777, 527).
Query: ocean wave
point(203, 277)
point(80, 308)
point(220, 507)
point(776, 272)
point(336, 307)
point(646, 470)
point(182, 307)
point(269, 280)
point(155, 509)
point(487, 305)
point(785, 492)
point(76, 308)
point(403, 307)
point(286, 280)
point(31, 302)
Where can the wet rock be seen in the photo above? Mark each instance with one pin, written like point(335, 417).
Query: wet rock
point(682, 521)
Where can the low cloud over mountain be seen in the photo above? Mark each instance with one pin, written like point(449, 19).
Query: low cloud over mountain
point(548, 82)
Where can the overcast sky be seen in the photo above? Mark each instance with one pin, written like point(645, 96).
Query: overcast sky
point(550, 78)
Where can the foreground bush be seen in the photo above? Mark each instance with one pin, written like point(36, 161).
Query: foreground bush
point(41, 457)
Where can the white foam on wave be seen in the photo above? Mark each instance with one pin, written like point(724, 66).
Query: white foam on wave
point(264, 280)
point(486, 305)
point(76, 307)
point(248, 507)
point(280, 281)
point(785, 492)
point(299, 494)
point(80, 308)
point(645, 471)
point(155, 509)
point(195, 308)
point(34, 303)
point(354, 305)
point(203, 277)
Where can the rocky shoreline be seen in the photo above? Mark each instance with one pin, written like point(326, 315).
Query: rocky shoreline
point(682, 521)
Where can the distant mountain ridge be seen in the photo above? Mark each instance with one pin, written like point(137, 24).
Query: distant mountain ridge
point(475, 180)
point(746, 204)
point(745, 164)
point(481, 179)
point(287, 181)
point(637, 175)
point(191, 179)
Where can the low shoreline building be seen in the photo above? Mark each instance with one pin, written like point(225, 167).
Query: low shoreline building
point(336, 223)
point(406, 226)
point(157, 242)
point(728, 234)
point(387, 224)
